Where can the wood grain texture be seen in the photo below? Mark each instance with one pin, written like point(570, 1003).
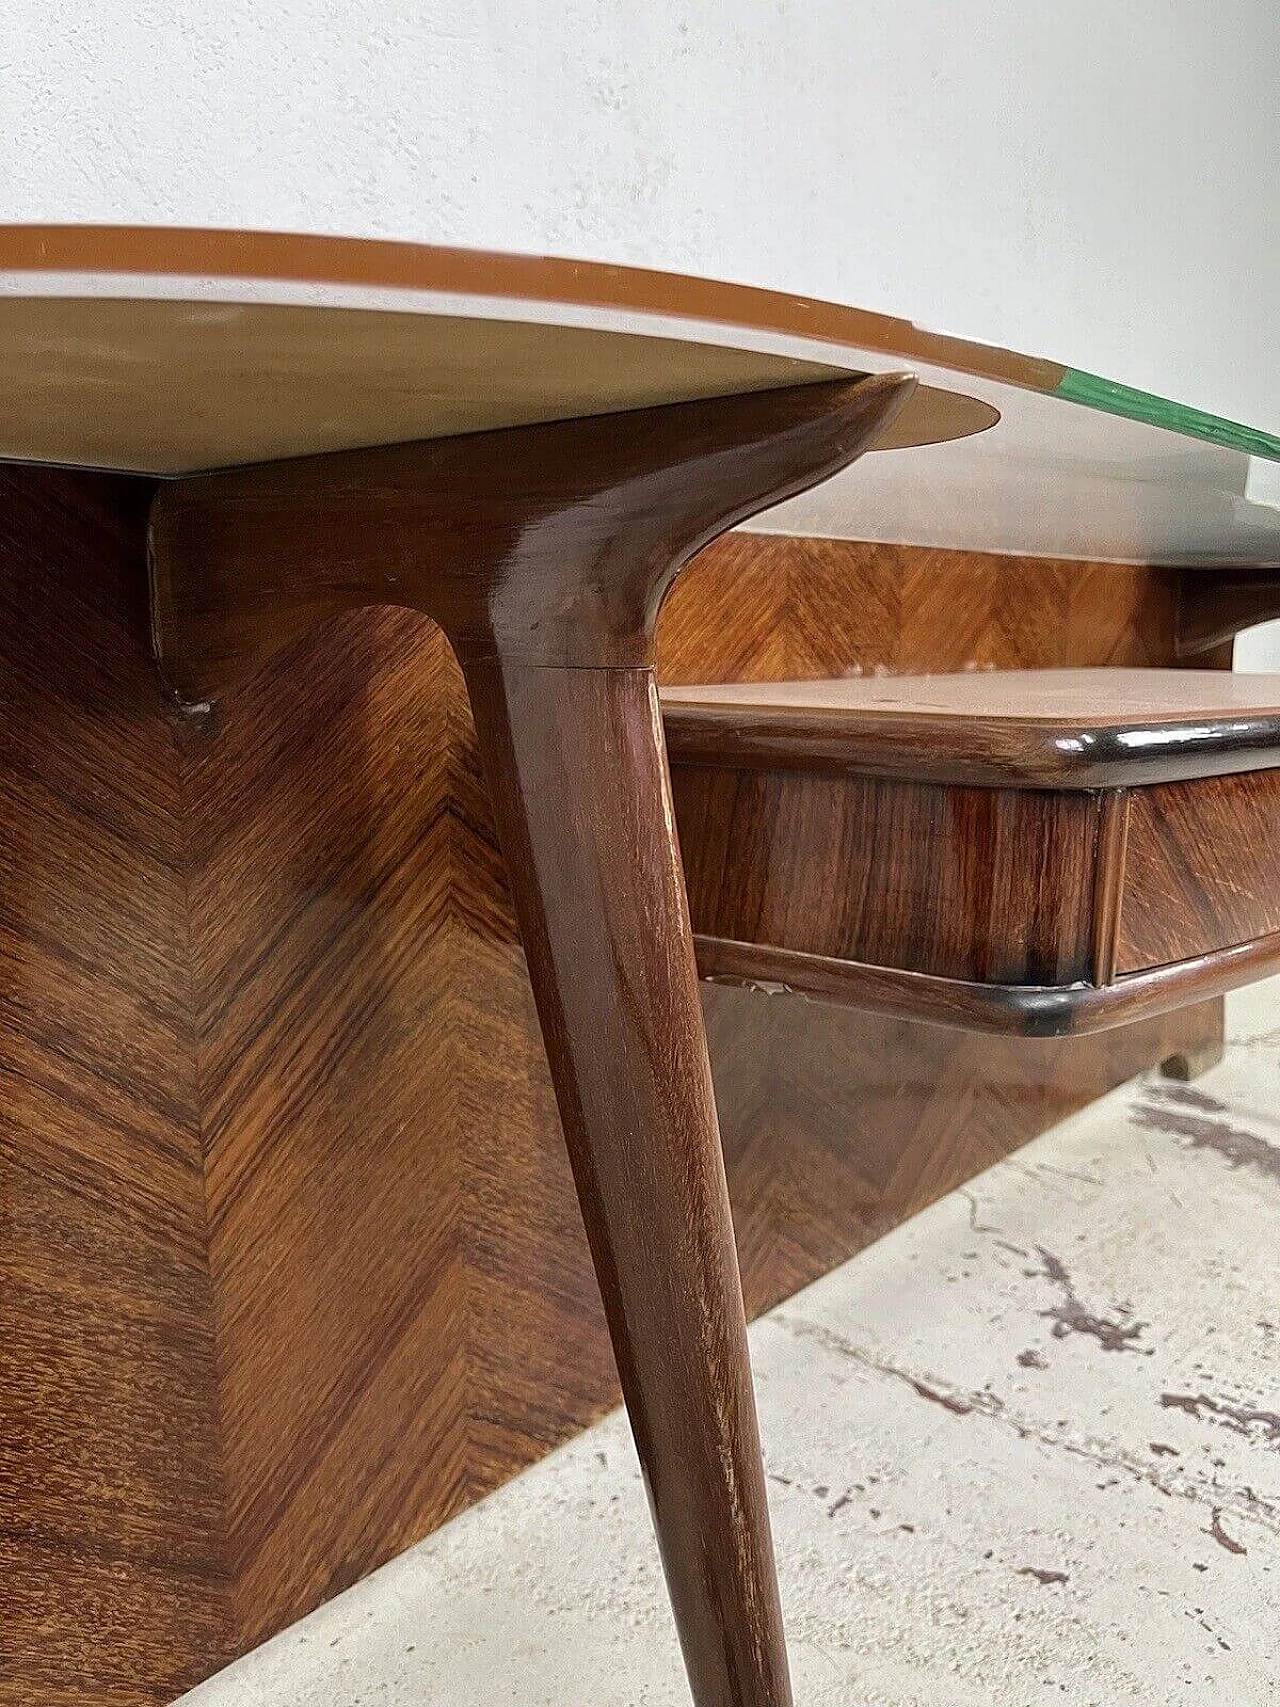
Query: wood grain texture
point(1004, 909)
point(1083, 728)
point(840, 1124)
point(990, 885)
point(544, 553)
point(1110, 870)
point(1002, 1010)
point(605, 926)
point(553, 544)
point(360, 1013)
point(112, 1573)
point(770, 607)
point(405, 1303)
point(837, 1123)
point(1203, 869)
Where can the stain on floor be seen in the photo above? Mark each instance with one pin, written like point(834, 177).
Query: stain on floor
point(1069, 1316)
point(1182, 1111)
point(977, 1502)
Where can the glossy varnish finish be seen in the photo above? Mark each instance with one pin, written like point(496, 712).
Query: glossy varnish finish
point(511, 541)
point(991, 885)
point(1001, 1010)
point(1043, 906)
point(112, 1568)
point(613, 970)
point(544, 554)
point(1046, 728)
point(373, 898)
point(1202, 871)
point(839, 1122)
point(404, 1305)
point(390, 1219)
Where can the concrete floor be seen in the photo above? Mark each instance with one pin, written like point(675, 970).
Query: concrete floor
point(1025, 1450)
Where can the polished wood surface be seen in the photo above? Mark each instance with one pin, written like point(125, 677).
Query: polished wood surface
point(992, 1009)
point(405, 1306)
point(1082, 728)
point(1202, 871)
point(112, 1572)
point(606, 932)
point(368, 905)
point(839, 1121)
point(402, 1311)
point(508, 539)
point(544, 554)
point(1110, 870)
point(1001, 1010)
point(1029, 908)
point(992, 885)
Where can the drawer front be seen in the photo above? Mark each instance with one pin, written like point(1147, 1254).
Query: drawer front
point(994, 885)
point(1202, 868)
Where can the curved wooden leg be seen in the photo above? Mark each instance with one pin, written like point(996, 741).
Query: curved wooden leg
point(553, 545)
point(577, 770)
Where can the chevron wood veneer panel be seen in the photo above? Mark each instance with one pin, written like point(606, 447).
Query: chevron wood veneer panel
point(112, 1575)
point(768, 607)
point(290, 1262)
point(838, 1125)
point(404, 1306)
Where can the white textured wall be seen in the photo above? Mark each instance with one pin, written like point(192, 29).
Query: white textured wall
point(1094, 180)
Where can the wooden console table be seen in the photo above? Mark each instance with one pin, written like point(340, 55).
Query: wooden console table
point(527, 452)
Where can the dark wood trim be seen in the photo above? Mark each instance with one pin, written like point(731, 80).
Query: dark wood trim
point(1096, 748)
point(606, 934)
point(1025, 1010)
point(1214, 605)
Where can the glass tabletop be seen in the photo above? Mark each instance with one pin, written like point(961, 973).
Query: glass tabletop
point(168, 350)
point(1109, 395)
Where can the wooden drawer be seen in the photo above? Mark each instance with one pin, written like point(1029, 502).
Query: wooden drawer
point(1201, 868)
point(1047, 851)
point(982, 883)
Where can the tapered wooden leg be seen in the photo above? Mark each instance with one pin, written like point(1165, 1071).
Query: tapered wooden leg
point(577, 771)
point(553, 545)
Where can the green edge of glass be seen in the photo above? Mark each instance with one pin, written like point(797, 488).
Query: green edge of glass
point(1098, 393)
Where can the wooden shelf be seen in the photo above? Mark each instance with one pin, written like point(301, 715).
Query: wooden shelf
point(1053, 728)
